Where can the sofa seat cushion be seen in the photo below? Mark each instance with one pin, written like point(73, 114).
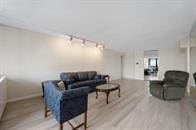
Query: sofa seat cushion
point(90, 83)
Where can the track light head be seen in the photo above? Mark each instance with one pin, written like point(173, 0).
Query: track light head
point(100, 46)
point(71, 38)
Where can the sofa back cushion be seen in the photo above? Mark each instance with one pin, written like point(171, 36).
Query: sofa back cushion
point(82, 76)
point(69, 77)
point(176, 77)
point(91, 75)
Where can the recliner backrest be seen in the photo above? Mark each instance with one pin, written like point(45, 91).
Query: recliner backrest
point(194, 76)
point(177, 77)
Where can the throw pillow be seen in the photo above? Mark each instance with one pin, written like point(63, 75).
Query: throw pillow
point(61, 85)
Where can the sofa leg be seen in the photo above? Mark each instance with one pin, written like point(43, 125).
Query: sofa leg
point(61, 127)
point(85, 121)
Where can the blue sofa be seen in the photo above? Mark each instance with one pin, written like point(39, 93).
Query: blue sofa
point(66, 104)
point(80, 79)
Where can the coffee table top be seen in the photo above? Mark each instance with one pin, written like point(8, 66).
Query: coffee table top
point(108, 86)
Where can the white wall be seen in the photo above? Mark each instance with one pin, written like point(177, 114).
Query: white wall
point(193, 53)
point(171, 59)
point(27, 58)
point(3, 94)
point(193, 64)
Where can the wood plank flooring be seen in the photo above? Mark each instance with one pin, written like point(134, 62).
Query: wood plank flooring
point(136, 109)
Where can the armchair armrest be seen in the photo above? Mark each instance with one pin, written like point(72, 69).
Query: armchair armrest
point(73, 102)
point(72, 93)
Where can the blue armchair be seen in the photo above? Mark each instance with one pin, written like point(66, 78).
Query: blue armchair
point(67, 104)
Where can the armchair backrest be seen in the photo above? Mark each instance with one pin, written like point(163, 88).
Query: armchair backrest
point(194, 76)
point(176, 77)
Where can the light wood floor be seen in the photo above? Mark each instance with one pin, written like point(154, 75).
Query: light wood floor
point(136, 109)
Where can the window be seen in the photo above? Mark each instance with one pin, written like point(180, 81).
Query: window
point(153, 62)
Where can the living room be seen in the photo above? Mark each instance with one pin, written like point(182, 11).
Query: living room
point(105, 41)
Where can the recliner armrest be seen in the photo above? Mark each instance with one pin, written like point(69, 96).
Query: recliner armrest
point(156, 82)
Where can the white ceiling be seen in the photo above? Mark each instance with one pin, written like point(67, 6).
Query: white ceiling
point(122, 25)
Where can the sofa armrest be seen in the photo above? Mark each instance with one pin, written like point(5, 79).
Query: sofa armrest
point(99, 76)
point(105, 76)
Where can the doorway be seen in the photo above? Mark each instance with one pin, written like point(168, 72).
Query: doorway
point(151, 65)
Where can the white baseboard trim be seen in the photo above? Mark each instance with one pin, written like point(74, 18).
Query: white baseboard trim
point(131, 78)
point(25, 97)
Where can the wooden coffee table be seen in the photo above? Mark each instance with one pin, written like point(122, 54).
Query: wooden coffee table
point(107, 88)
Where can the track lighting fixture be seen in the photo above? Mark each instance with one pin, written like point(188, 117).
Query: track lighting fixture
point(71, 38)
point(85, 40)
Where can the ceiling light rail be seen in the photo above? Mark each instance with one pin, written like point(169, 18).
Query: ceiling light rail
point(98, 45)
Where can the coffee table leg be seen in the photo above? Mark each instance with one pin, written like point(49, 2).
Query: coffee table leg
point(96, 94)
point(107, 96)
point(119, 92)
